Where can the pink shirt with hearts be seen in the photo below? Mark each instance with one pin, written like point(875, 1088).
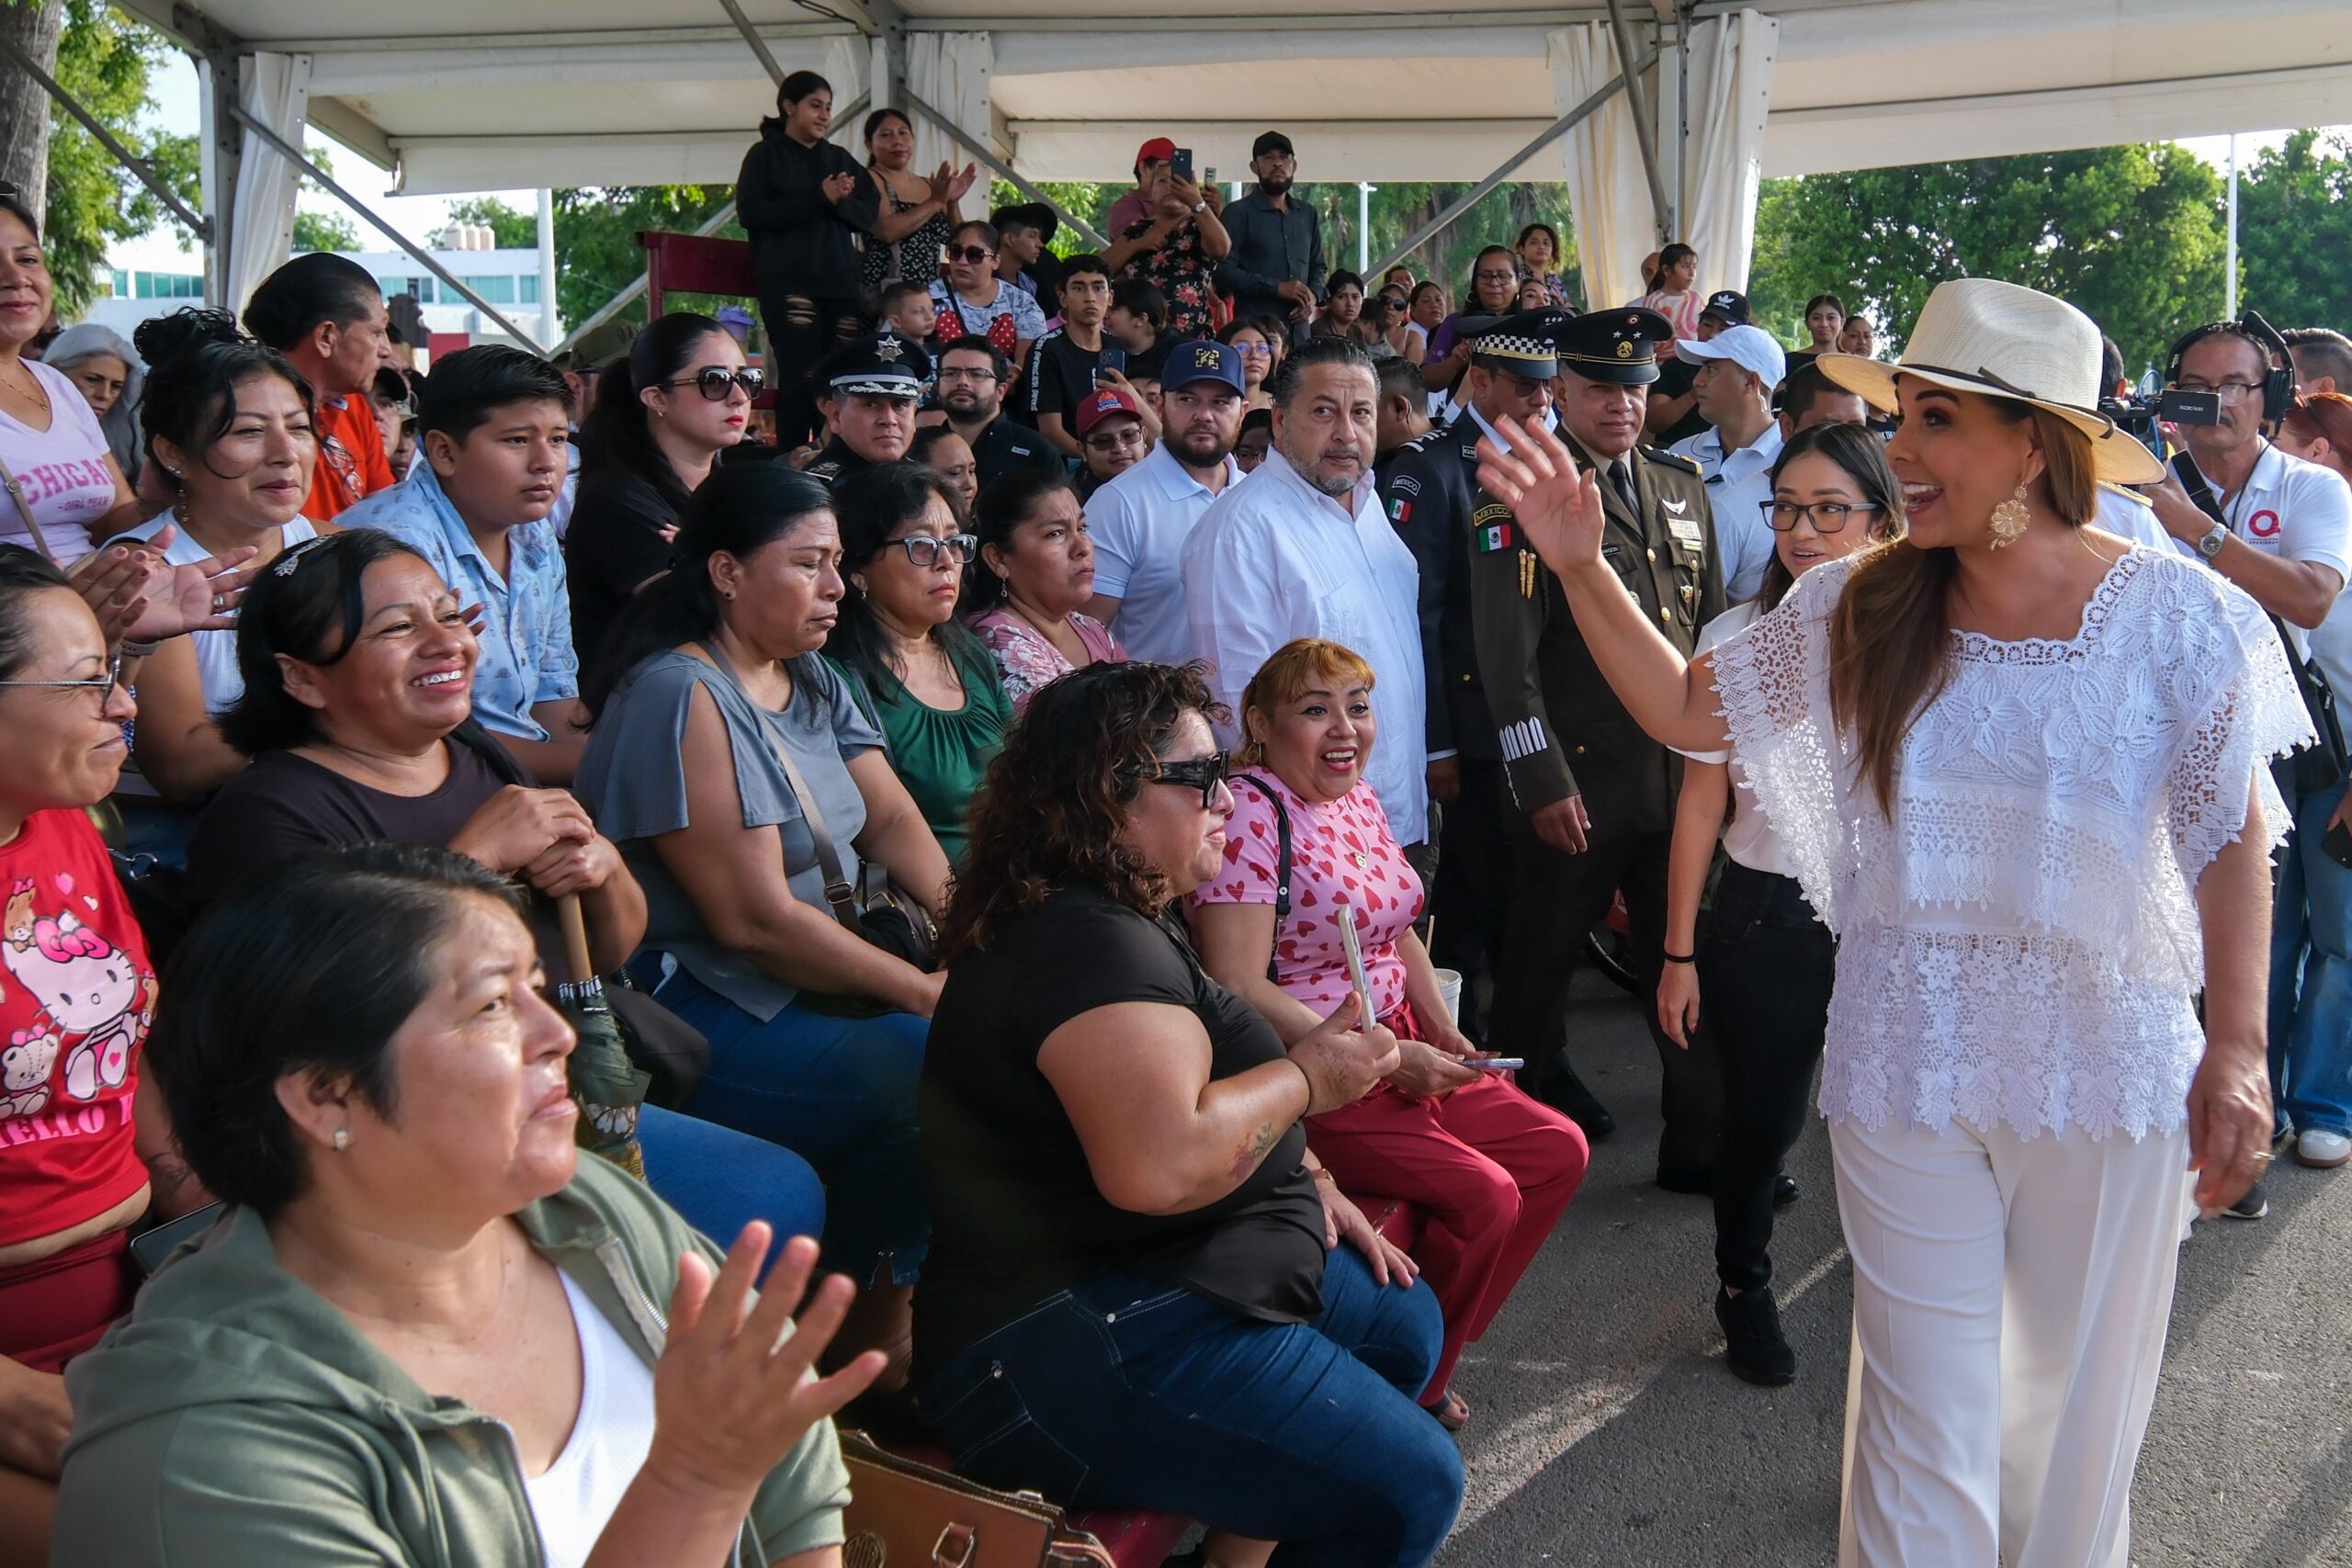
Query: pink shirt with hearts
point(1342, 853)
point(76, 997)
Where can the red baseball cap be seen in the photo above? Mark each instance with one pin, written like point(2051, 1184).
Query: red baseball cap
point(1158, 149)
point(1104, 402)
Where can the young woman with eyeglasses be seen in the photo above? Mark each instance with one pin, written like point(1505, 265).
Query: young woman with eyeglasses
point(926, 679)
point(665, 411)
point(1764, 958)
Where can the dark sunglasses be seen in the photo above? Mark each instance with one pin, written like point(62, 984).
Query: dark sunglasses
point(973, 254)
point(1204, 773)
point(714, 381)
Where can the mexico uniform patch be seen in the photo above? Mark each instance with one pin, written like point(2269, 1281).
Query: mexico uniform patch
point(1491, 531)
point(1400, 511)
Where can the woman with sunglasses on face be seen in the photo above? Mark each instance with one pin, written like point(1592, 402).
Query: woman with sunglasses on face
point(1399, 334)
point(916, 671)
point(1763, 959)
point(1140, 1294)
point(665, 411)
point(83, 1156)
point(2021, 770)
point(1035, 574)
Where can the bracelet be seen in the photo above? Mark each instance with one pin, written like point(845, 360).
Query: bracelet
point(1322, 1173)
point(139, 649)
point(1680, 957)
point(1304, 1075)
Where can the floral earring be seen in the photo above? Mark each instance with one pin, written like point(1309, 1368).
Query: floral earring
point(2009, 520)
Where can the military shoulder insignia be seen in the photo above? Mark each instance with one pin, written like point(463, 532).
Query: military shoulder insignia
point(1492, 529)
point(1671, 459)
point(1405, 484)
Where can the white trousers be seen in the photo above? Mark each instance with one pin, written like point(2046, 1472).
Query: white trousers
point(2010, 1298)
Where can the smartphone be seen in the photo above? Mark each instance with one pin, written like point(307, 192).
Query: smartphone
point(1499, 1064)
point(1354, 945)
point(149, 1249)
point(2337, 845)
point(1110, 359)
point(1208, 176)
point(1181, 165)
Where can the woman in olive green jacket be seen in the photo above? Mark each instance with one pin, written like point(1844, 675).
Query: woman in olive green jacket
point(426, 1331)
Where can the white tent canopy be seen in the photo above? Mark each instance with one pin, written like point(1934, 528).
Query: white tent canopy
point(466, 95)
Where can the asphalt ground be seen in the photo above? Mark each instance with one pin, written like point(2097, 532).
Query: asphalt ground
point(1607, 1430)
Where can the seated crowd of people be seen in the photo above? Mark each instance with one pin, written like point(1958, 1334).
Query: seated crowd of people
point(1006, 810)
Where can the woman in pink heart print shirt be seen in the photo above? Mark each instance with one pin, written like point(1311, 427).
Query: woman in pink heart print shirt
point(1490, 1168)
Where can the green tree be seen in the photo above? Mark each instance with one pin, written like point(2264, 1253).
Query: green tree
point(2295, 232)
point(2132, 236)
point(324, 231)
point(104, 60)
point(1079, 199)
point(512, 231)
point(597, 252)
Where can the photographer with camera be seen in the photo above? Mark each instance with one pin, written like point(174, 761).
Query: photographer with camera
point(2281, 529)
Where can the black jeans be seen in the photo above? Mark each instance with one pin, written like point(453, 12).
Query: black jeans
point(1765, 967)
point(802, 330)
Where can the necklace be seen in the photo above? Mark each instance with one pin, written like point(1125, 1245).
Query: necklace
point(34, 392)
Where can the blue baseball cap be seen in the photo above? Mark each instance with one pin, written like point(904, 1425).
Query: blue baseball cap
point(1202, 359)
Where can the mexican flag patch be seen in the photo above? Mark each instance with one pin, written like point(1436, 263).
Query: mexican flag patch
point(1400, 511)
point(1491, 531)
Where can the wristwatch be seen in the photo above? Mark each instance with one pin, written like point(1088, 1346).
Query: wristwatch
point(1201, 206)
point(2210, 544)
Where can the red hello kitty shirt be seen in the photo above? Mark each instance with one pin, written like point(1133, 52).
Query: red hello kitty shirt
point(1342, 853)
point(76, 996)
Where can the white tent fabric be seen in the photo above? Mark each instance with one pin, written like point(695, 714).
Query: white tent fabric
point(1728, 101)
point(951, 72)
point(274, 89)
point(1608, 192)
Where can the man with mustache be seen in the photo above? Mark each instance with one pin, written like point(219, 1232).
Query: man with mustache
point(1304, 549)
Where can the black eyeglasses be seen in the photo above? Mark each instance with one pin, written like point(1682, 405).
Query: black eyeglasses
point(924, 549)
point(973, 254)
point(1827, 517)
point(102, 684)
point(716, 381)
point(1204, 773)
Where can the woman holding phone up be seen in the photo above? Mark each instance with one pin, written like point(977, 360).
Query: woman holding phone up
point(1491, 1168)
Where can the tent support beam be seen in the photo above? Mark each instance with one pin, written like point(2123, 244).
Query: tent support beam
point(614, 306)
point(422, 257)
point(751, 36)
point(140, 168)
point(1471, 198)
point(1644, 131)
point(990, 161)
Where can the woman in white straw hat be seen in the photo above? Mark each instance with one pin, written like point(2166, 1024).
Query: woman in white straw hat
point(2020, 766)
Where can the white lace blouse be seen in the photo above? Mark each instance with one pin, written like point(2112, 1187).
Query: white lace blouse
point(2020, 942)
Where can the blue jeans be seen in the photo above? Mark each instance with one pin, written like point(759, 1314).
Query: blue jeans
point(721, 1181)
point(2311, 976)
point(840, 1092)
point(1132, 1393)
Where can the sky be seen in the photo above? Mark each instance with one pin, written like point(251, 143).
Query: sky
point(174, 89)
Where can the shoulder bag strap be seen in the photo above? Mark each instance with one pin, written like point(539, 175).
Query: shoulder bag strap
point(1281, 861)
point(838, 891)
point(24, 510)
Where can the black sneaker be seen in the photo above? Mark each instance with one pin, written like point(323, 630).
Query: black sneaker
point(2253, 1206)
point(1754, 1347)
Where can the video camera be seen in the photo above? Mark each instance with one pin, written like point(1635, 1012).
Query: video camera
point(2144, 410)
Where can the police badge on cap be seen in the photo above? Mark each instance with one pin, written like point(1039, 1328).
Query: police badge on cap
point(1613, 346)
point(882, 366)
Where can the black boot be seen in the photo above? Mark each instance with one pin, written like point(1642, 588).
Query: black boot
point(1563, 1091)
point(1754, 1347)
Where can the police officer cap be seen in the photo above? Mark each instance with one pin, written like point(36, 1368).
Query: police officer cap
point(1522, 344)
point(882, 366)
point(1613, 346)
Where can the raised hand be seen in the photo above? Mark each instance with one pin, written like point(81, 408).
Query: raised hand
point(1557, 508)
point(965, 180)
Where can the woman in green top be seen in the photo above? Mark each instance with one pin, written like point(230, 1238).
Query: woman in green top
point(929, 684)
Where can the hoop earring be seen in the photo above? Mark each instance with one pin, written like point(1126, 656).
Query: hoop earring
point(2009, 521)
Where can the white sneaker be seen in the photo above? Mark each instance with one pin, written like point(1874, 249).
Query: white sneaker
point(2323, 1150)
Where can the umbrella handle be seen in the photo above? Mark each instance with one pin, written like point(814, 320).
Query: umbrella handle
point(575, 938)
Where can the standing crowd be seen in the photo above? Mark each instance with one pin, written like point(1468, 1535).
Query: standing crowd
point(1084, 838)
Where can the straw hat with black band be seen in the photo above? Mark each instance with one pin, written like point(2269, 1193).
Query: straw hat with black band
point(1999, 340)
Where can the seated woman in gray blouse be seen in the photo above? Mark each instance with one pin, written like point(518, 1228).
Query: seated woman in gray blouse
point(817, 1036)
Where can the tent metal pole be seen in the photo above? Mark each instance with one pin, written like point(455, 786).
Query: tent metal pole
point(1550, 134)
point(614, 306)
point(997, 166)
point(422, 257)
point(1643, 130)
point(140, 168)
point(751, 36)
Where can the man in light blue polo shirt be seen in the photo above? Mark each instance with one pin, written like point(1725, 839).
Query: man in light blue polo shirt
point(493, 424)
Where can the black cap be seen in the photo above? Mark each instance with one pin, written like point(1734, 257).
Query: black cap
point(882, 366)
point(1522, 344)
point(1272, 142)
point(1613, 346)
point(1728, 306)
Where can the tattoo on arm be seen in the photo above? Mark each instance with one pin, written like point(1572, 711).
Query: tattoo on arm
point(166, 1174)
point(1247, 1158)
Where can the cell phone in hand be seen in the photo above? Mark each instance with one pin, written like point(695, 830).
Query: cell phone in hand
point(1110, 359)
point(1181, 163)
point(2337, 845)
point(1496, 1064)
point(1353, 946)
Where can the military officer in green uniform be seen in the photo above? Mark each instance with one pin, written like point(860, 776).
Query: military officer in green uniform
point(1595, 796)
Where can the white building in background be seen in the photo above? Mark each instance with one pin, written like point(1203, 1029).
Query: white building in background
point(507, 279)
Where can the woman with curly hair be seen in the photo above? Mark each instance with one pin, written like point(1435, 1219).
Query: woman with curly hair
point(1136, 1295)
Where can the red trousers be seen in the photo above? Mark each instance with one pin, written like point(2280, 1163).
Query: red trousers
point(53, 1310)
point(1491, 1170)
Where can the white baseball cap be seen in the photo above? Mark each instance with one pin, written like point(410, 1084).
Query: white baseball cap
point(1751, 348)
